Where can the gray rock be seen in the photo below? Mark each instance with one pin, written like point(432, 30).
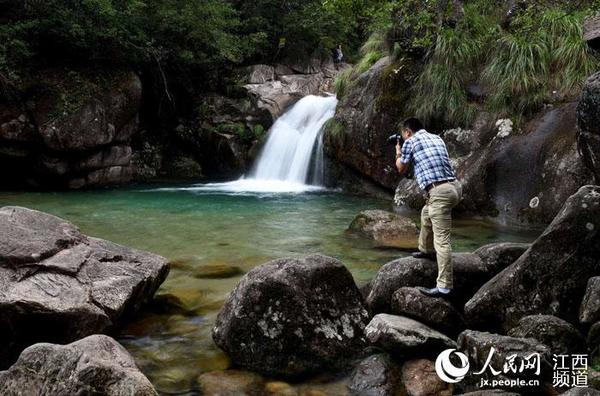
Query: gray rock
point(591, 31)
point(549, 278)
point(377, 375)
point(58, 285)
point(260, 74)
point(588, 121)
point(477, 345)
point(582, 392)
point(561, 336)
point(293, 316)
point(95, 365)
point(405, 336)
point(593, 341)
point(590, 307)
point(435, 312)
point(386, 229)
point(471, 271)
point(498, 256)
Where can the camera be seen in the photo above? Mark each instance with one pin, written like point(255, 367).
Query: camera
point(393, 140)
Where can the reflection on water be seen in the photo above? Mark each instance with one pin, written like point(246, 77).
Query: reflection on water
point(211, 239)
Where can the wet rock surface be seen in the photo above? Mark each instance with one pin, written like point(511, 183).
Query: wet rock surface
point(95, 365)
point(549, 278)
point(293, 316)
point(58, 285)
point(386, 229)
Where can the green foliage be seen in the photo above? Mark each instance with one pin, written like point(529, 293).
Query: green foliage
point(334, 134)
point(370, 52)
point(439, 92)
point(542, 58)
point(342, 83)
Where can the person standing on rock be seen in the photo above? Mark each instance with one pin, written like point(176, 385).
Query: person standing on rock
point(434, 174)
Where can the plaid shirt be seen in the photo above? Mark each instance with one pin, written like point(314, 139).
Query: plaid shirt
point(430, 156)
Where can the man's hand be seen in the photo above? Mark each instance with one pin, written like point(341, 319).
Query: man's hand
point(398, 148)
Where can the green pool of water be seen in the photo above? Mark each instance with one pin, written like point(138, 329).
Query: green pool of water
point(212, 239)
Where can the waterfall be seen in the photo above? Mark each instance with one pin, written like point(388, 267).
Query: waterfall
point(292, 158)
point(289, 149)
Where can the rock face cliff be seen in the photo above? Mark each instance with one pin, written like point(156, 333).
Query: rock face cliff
point(517, 173)
point(71, 130)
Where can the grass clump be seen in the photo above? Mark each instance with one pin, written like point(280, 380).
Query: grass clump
point(543, 59)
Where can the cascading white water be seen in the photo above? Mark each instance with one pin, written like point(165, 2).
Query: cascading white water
point(284, 164)
point(287, 154)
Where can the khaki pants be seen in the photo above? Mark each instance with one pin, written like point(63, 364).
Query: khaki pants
point(436, 223)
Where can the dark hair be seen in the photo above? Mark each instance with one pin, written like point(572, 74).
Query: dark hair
point(413, 124)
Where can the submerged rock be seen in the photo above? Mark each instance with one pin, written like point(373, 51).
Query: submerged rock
point(550, 278)
point(230, 382)
point(377, 375)
point(386, 229)
point(561, 336)
point(95, 365)
point(58, 285)
point(406, 337)
point(293, 316)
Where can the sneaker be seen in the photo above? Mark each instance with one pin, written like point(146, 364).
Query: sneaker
point(435, 292)
point(421, 255)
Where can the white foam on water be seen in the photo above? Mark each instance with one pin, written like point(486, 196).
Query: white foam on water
point(284, 163)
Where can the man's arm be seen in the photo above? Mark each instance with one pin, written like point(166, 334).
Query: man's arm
point(403, 153)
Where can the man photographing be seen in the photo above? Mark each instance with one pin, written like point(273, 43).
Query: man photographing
point(434, 174)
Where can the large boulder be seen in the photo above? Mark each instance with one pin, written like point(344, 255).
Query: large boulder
point(406, 337)
point(582, 392)
point(550, 277)
point(471, 270)
point(275, 88)
point(561, 336)
point(386, 229)
point(377, 375)
point(365, 117)
point(435, 312)
point(590, 306)
point(58, 285)
point(293, 316)
point(588, 120)
point(95, 365)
